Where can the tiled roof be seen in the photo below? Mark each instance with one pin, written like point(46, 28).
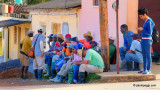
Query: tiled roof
point(20, 9)
point(56, 4)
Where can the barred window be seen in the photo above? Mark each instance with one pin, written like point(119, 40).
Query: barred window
point(15, 35)
point(95, 2)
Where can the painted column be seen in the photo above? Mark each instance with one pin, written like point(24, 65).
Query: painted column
point(5, 44)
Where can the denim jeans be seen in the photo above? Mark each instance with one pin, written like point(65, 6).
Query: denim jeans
point(48, 59)
point(122, 53)
point(146, 52)
point(75, 71)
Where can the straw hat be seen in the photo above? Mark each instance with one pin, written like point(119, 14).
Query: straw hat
point(88, 34)
point(60, 36)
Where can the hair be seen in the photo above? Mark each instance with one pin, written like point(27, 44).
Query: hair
point(142, 11)
point(124, 26)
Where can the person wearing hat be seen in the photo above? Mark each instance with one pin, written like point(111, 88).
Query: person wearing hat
point(95, 46)
point(49, 54)
point(26, 45)
point(88, 38)
point(92, 63)
point(135, 52)
point(66, 67)
point(38, 62)
point(112, 50)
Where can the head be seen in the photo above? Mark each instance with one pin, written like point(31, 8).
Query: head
point(74, 50)
point(67, 37)
point(143, 13)
point(93, 44)
point(88, 38)
point(54, 37)
point(135, 36)
point(30, 33)
point(84, 53)
point(70, 47)
point(60, 38)
point(40, 30)
point(70, 50)
point(74, 40)
point(124, 28)
point(111, 40)
point(50, 37)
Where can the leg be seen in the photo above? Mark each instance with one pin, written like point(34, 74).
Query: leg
point(22, 70)
point(75, 73)
point(26, 71)
point(148, 54)
point(144, 54)
point(122, 53)
point(40, 64)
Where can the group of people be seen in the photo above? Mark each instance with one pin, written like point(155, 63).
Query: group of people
point(136, 49)
point(68, 59)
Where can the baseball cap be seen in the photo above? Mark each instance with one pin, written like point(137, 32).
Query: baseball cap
point(68, 36)
point(40, 29)
point(30, 31)
point(111, 38)
point(136, 36)
point(50, 35)
point(55, 35)
point(71, 46)
point(93, 42)
point(75, 39)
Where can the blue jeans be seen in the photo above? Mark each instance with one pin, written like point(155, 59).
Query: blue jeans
point(122, 53)
point(132, 57)
point(146, 52)
point(48, 59)
point(75, 71)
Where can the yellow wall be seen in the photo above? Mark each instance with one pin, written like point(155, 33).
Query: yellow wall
point(132, 15)
point(49, 20)
point(15, 48)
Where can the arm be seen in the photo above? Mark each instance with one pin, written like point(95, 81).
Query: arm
point(42, 48)
point(80, 62)
point(125, 42)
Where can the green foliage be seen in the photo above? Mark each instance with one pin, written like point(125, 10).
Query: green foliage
point(33, 2)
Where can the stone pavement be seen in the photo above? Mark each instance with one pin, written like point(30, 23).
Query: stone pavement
point(129, 76)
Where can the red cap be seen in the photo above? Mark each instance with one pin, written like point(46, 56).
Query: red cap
point(68, 36)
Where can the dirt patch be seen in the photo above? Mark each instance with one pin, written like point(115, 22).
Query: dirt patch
point(13, 73)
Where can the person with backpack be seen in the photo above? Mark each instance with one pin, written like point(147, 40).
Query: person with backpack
point(146, 42)
point(135, 52)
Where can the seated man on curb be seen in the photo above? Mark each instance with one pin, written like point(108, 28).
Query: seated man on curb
point(93, 63)
point(135, 52)
point(112, 50)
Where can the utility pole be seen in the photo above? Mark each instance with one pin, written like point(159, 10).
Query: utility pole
point(103, 14)
point(117, 27)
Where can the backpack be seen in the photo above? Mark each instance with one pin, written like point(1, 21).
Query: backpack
point(155, 36)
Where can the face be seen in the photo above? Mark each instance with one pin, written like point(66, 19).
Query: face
point(54, 39)
point(111, 41)
point(84, 53)
point(30, 35)
point(74, 50)
point(66, 40)
point(72, 42)
point(50, 39)
point(123, 30)
point(70, 50)
point(88, 38)
point(143, 17)
point(58, 39)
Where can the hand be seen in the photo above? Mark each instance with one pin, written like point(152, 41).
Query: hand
point(66, 58)
point(58, 53)
point(75, 62)
point(140, 28)
point(42, 54)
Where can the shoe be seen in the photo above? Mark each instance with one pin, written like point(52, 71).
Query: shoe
point(60, 80)
point(54, 79)
point(36, 74)
point(53, 74)
point(81, 78)
point(45, 68)
point(40, 72)
point(48, 72)
point(149, 72)
point(22, 76)
point(140, 72)
point(145, 72)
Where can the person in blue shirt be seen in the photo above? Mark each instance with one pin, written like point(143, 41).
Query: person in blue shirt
point(146, 43)
point(38, 62)
point(127, 43)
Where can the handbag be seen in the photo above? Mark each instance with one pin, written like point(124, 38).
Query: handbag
point(31, 52)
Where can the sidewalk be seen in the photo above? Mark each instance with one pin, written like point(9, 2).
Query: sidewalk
point(129, 76)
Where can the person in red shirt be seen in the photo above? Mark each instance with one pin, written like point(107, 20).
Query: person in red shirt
point(88, 38)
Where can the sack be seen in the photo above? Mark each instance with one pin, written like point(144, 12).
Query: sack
point(155, 36)
point(59, 63)
point(31, 52)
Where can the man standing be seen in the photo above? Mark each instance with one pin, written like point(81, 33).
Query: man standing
point(26, 46)
point(38, 63)
point(127, 42)
point(92, 63)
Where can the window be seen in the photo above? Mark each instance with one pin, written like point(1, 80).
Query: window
point(65, 29)
point(95, 2)
point(56, 28)
point(15, 35)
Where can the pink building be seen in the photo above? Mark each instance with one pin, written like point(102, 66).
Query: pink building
point(89, 18)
